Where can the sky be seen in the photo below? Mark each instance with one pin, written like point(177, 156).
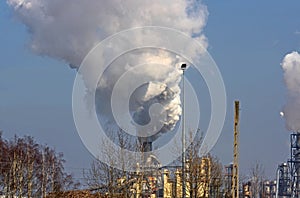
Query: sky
point(247, 39)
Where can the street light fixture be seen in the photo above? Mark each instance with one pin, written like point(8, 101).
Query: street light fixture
point(183, 68)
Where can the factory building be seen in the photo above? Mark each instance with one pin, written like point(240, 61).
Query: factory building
point(197, 186)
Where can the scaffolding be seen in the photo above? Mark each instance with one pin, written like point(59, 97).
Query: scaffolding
point(295, 164)
point(228, 180)
point(283, 182)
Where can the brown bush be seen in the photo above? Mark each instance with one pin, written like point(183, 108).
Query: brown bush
point(74, 194)
point(81, 194)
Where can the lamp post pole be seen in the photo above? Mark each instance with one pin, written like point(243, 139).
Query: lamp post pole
point(183, 67)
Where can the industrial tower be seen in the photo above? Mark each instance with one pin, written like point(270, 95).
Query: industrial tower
point(295, 164)
point(235, 171)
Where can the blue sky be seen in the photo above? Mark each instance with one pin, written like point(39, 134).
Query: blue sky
point(247, 39)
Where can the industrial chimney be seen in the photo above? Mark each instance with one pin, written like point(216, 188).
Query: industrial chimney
point(146, 144)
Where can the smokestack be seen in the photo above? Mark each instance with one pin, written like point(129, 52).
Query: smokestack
point(147, 146)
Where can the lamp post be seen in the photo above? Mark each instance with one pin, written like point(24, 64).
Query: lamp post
point(183, 68)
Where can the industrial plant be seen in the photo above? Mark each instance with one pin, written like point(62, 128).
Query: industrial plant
point(201, 179)
point(130, 61)
point(196, 176)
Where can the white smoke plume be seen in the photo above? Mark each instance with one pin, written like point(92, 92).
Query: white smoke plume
point(291, 68)
point(68, 29)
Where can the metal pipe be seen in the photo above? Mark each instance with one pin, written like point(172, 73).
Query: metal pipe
point(277, 182)
point(183, 67)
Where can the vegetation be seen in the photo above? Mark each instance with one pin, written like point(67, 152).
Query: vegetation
point(104, 177)
point(31, 169)
point(204, 174)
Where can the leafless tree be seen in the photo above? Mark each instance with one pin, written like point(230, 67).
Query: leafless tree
point(204, 174)
point(216, 177)
point(103, 176)
point(30, 169)
point(257, 176)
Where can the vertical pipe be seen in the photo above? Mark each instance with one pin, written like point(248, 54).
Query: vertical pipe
point(277, 182)
point(44, 176)
point(183, 68)
point(235, 174)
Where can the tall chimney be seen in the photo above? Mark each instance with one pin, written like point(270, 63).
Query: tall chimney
point(147, 146)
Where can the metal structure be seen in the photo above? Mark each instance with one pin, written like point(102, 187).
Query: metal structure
point(295, 164)
point(269, 189)
point(183, 68)
point(228, 180)
point(198, 185)
point(235, 170)
point(283, 184)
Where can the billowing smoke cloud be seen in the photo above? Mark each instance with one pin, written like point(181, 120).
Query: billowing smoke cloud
point(163, 89)
point(291, 68)
point(68, 29)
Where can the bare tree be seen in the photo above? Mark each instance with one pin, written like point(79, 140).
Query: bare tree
point(103, 176)
point(29, 169)
point(257, 176)
point(216, 177)
point(203, 173)
point(206, 172)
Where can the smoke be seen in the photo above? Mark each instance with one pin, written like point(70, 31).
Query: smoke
point(163, 89)
point(291, 68)
point(68, 29)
